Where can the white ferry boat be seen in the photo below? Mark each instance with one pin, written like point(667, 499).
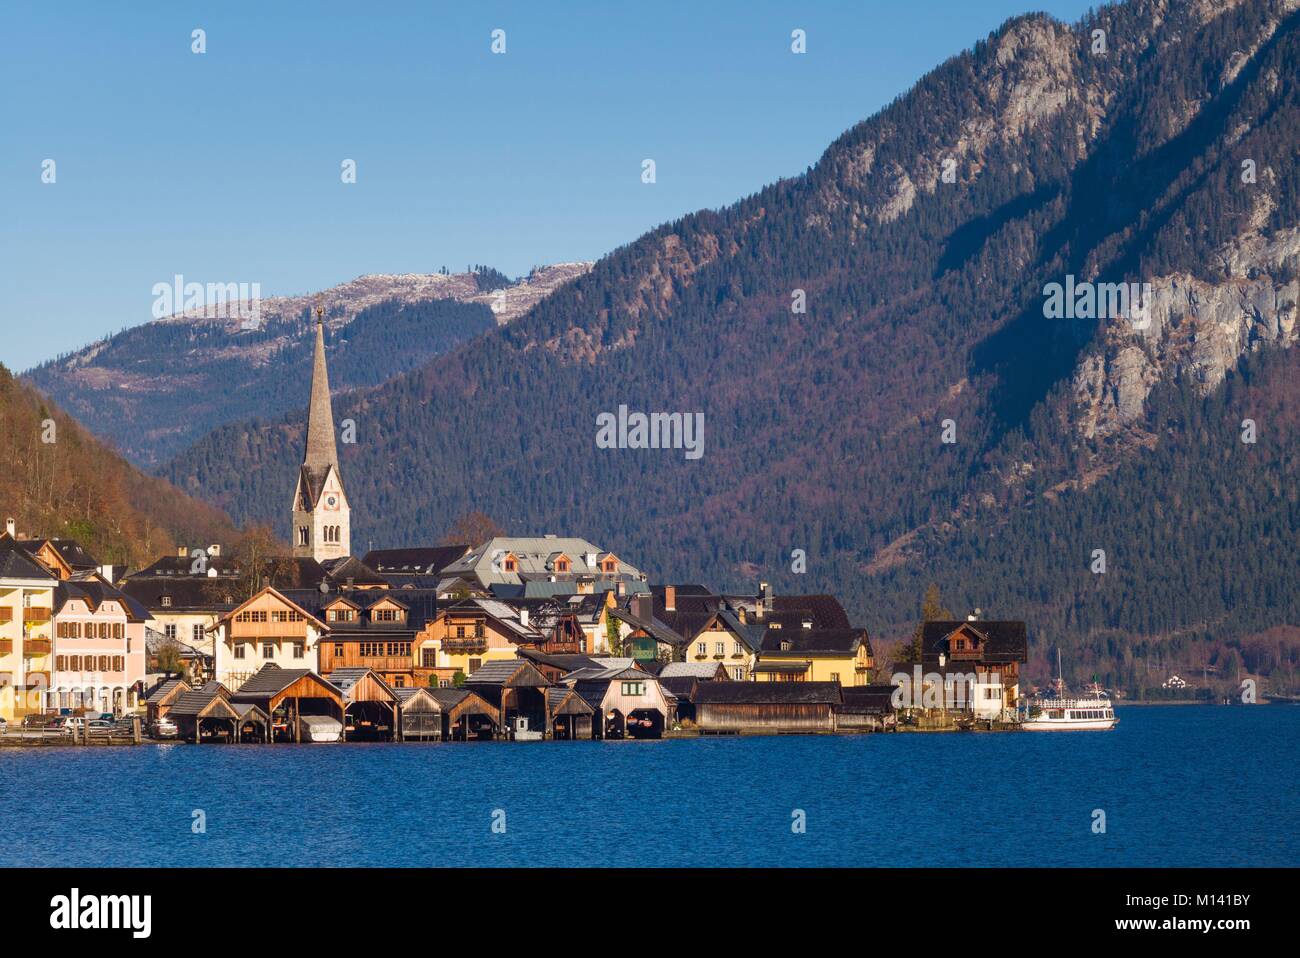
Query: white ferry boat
point(1092, 711)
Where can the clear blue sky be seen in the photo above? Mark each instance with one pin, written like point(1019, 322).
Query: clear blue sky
point(225, 166)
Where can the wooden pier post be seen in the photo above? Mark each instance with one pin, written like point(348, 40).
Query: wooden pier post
point(135, 730)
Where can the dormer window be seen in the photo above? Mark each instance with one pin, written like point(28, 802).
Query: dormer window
point(785, 646)
point(166, 601)
point(511, 564)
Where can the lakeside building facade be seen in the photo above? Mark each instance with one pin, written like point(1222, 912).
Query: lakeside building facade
point(26, 614)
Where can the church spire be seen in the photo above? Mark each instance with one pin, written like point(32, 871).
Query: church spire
point(321, 449)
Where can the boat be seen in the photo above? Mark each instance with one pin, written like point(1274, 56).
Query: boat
point(1059, 711)
point(320, 728)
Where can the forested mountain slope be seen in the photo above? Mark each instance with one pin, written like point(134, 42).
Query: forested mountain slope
point(58, 481)
point(924, 303)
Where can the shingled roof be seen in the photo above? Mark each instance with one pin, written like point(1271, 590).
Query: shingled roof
point(768, 693)
point(1000, 641)
point(805, 642)
point(15, 563)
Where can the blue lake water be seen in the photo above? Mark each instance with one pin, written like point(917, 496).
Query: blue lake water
point(1180, 786)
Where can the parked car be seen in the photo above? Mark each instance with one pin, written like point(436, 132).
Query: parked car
point(165, 728)
point(99, 726)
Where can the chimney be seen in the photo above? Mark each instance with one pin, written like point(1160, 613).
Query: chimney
point(670, 598)
point(351, 580)
point(214, 550)
point(621, 587)
point(974, 616)
point(10, 525)
point(523, 618)
point(769, 601)
point(107, 572)
point(807, 623)
point(641, 607)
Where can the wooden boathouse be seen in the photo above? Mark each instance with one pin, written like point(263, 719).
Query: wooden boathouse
point(286, 696)
point(419, 715)
point(568, 715)
point(163, 697)
point(727, 707)
point(466, 715)
point(518, 692)
point(370, 705)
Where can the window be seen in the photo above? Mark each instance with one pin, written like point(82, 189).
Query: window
point(169, 630)
point(721, 647)
point(166, 601)
point(738, 673)
point(480, 630)
point(785, 646)
point(633, 689)
point(303, 536)
point(239, 649)
point(702, 648)
point(429, 658)
point(338, 650)
point(835, 676)
point(268, 650)
point(196, 633)
point(475, 665)
point(510, 565)
point(460, 631)
point(299, 649)
point(399, 681)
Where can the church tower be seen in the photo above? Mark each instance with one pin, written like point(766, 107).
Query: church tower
point(322, 519)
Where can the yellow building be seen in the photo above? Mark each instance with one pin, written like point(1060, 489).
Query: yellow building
point(26, 610)
point(464, 636)
point(815, 655)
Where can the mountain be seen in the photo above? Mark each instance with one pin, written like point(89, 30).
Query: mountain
point(1153, 142)
point(155, 389)
point(59, 481)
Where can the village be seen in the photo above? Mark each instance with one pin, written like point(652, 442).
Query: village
point(524, 638)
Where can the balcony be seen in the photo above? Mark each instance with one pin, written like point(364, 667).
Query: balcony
point(36, 647)
point(468, 645)
point(36, 614)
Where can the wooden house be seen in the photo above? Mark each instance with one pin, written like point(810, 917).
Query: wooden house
point(268, 629)
point(767, 706)
point(288, 695)
point(370, 705)
point(980, 661)
point(373, 629)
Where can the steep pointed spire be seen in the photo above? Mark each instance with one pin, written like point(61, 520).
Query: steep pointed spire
point(321, 449)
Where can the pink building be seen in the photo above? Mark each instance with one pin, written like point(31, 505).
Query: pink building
point(99, 647)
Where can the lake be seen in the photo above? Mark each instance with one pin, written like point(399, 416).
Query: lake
point(1179, 786)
